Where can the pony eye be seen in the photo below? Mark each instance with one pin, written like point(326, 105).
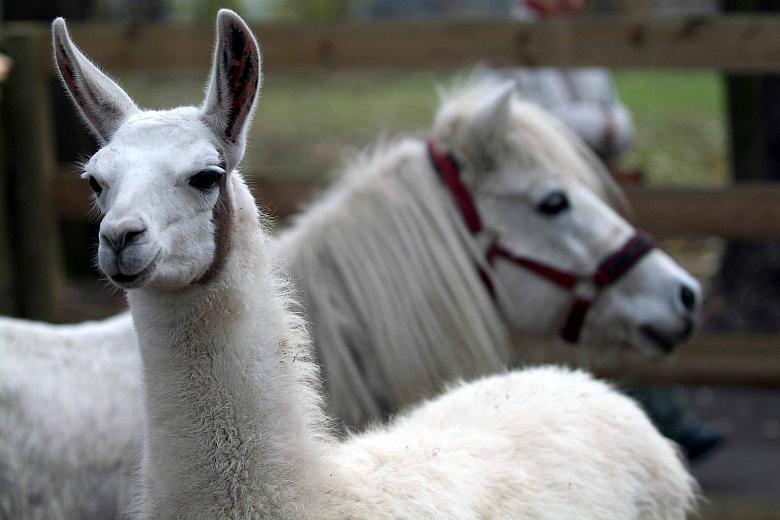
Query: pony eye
point(554, 203)
point(205, 180)
point(95, 185)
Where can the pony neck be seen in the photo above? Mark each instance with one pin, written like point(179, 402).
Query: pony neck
point(232, 417)
point(387, 249)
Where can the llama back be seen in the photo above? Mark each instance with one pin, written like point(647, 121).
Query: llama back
point(76, 432)
point(542, 443)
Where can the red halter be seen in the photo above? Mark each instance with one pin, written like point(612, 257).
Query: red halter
point(609, 270)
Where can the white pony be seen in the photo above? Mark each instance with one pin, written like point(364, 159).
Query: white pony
point(234, 422)
point(389, 274)
point(423, 260)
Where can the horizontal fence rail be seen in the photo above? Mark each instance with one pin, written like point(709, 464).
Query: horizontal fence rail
point(749, 211)
point(731, 360)
point(745, 43)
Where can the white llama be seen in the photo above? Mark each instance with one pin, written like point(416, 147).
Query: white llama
point(234, 424)
point(78, 422)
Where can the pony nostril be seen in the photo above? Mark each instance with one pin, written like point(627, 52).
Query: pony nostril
point(688, 298)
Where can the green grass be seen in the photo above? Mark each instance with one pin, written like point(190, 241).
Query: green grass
point(307, 121)
point(680, 126)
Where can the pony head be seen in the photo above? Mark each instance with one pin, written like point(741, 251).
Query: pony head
point(547, 201)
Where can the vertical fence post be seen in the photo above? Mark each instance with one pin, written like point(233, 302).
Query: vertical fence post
point(7, 297)
point(29, 169)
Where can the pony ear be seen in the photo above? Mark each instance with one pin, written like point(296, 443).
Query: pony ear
point(102, 103)
point(234, 84)
point(493, 119)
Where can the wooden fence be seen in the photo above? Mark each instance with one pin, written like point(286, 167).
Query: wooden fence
point(726, 43)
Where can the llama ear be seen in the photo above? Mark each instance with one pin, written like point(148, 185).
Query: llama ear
point(493, 119)
point(234, 84)
point(102, 103)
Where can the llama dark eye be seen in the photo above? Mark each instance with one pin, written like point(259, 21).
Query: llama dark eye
point(95, 185)
point(205, 180)
point(554, 203)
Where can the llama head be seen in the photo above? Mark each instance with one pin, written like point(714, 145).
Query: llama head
point(547, 198)
point(163, 180)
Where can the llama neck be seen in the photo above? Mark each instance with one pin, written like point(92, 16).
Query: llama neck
point(231, 416)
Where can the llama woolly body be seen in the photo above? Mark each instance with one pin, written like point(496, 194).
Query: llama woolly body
point(71, 416)
point(540, 443)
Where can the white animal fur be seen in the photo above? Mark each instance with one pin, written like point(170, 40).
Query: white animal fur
point(70, 417)
point(234, 423)
point(441, 337)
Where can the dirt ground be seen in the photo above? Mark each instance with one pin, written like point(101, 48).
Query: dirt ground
point(741, 479)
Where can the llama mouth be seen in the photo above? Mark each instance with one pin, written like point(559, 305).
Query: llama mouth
point(134, 281)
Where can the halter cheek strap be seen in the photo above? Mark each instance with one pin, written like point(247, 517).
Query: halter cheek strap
point(449, 172)
point(609, 270)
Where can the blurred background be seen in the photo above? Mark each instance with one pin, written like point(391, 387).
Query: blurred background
point(698, 78)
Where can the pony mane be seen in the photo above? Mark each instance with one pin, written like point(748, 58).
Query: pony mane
point(537, 138)
point(371, 259)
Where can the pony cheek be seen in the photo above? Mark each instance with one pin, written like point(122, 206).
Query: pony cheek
point(520, 297)
point(612, 319)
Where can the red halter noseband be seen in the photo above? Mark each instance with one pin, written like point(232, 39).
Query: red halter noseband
point(609, 270)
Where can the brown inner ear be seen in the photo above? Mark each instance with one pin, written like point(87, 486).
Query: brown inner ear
point(241, 76)
point(64, 64)
point(85, 97)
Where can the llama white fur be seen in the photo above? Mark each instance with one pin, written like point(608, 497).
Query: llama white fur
point(70, 418)
point(541, 443)
point(69, 454)
point(234, 424)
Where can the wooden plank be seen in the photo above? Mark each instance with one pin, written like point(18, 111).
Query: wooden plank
point(30, 166)
point(738, 508)
point(732, 43)
point(742, 211)
point(743, 361)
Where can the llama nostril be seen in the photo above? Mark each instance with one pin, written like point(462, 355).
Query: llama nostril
point(121, 239)
point(132, 236)
point(112, 241)
point(688, 298)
